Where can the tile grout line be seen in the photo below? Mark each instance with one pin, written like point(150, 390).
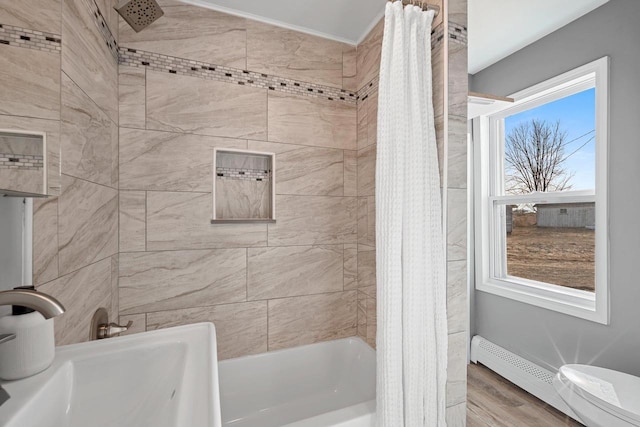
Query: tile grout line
point(95, 104)
point(246, 274)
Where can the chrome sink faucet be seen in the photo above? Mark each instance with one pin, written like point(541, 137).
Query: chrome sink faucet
point(45, 304)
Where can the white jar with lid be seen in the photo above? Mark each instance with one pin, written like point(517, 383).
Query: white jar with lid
point(32, 350)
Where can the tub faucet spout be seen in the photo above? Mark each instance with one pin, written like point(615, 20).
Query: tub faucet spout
point(45, 304)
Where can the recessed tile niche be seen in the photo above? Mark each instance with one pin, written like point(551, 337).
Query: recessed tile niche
point(23, 163)
point(243, 186)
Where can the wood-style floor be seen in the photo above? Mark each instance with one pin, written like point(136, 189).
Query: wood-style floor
point(493, 401)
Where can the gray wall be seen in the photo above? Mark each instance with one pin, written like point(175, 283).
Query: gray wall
point(15, 257)
point(546, 337)
point(11, 220)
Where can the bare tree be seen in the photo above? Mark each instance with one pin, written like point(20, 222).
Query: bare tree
point(535, 157)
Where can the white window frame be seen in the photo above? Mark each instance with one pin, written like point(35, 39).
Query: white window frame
point(488, 166)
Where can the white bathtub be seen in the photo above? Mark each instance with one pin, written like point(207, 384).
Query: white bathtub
point(318, 385)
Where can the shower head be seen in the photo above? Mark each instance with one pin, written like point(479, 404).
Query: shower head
point(139, 13)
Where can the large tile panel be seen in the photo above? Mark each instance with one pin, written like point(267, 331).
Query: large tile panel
point(292, 54)
point(40, 15)
point(238, 198)
point(372, 118)
point(295, 270)
point(87, 223)
point(368, 63)
point(350, 172)
point(366, 269)
point(29, 82)
point(88, 137)
point(133, 221)
point(372, 318)
point(153, 160)
point(114, 312)
point(349, 70)
point(457, 369)
point(305, 170)
point(367, 171)
point(192, 32)
point(193, 105)
point(308, 220)
point(457, 309)
point(456, 224)
point(87, 59)
point(45, 240)
point(82, 293)
point(306, 120)
point(458, 12)
point(363, 221)
point(363, 124)
point(458, 86)
point(132, 96)
point(309, 319)
point(169, 280)
point(457, 166)
point(241, 329)
point(183, 221)
point(456, 415)
point(350, 266)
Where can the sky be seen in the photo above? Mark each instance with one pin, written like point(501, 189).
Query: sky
point(577, 117)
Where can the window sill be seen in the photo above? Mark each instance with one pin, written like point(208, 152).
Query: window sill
point(572, 302)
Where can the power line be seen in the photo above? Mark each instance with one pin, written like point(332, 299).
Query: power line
point(579, 148)
point(581, 136)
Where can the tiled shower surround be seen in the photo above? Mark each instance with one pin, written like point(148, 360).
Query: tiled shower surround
point(131, 228)
point(59, 77)
point(266, 286)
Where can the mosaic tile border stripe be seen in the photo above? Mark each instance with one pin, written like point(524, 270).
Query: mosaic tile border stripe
point(102, 26)
point(437, 36)
point(458, 33)
point(31, 39)
point(368, 89)
point(243, 174)
point(21, 161)
point(188, 67)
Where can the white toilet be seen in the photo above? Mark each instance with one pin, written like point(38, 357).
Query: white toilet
point(600, 397)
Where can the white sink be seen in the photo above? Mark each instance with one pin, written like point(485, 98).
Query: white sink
point(164, 378)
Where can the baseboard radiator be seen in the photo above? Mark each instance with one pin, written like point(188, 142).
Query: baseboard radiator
point(523, 373)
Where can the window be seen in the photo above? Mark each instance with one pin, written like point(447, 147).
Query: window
point(541, 195)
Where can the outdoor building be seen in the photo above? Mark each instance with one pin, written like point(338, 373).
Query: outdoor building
point(566, 215)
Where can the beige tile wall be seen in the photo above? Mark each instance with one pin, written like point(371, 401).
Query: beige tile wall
point(457, 199)
point(265, 286)
point(71, 95)
point(144, 192)
point(368, 59)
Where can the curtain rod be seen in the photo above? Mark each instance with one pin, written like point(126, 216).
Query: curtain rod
point(423, 4)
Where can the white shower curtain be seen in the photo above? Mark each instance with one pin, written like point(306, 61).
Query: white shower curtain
point(412, 323)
